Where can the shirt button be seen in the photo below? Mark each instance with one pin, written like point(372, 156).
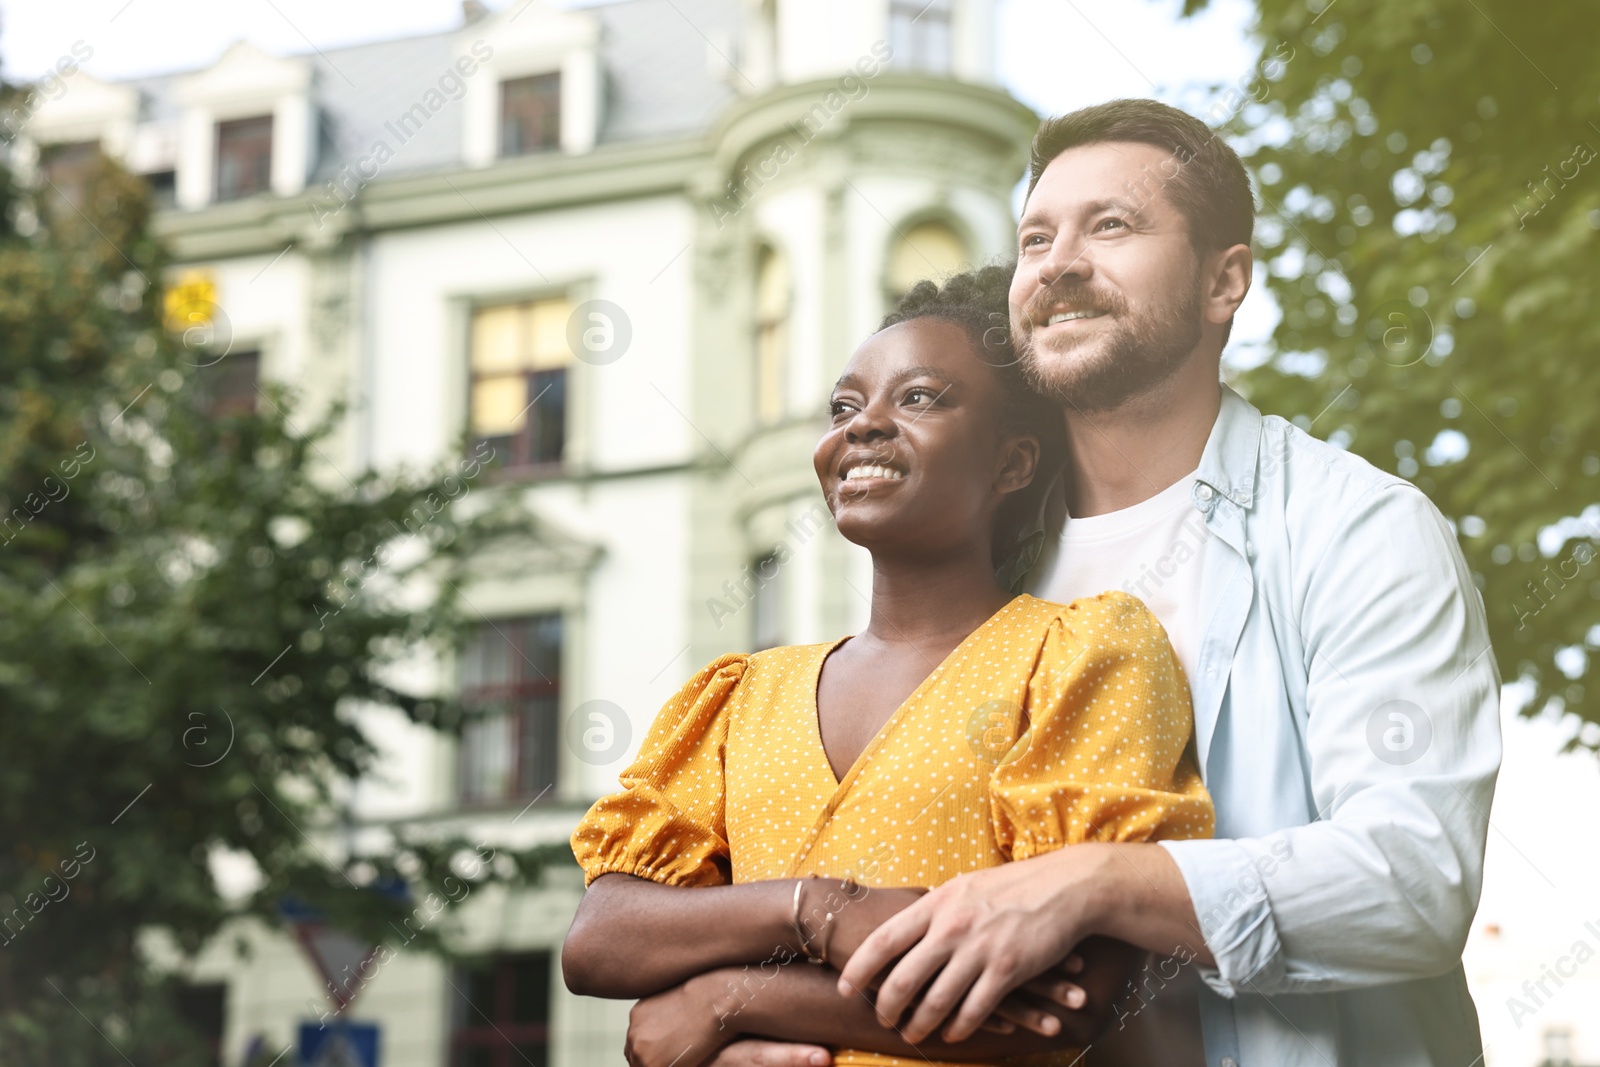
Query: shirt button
point(1204, 493)
point(1228, 1061)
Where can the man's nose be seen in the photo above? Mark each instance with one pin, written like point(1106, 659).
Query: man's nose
point(1069, 257)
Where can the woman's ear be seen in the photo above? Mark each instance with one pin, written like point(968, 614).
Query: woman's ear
point(1021, 455)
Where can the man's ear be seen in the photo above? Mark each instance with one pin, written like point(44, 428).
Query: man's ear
point(1227, 280)
point(1021, 463)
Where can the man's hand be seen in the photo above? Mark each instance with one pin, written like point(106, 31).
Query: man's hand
point(986, 933)
point(759, 1052)
point(858, 911)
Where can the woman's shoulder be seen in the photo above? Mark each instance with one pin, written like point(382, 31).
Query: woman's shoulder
point(769, 663)
point(780, 659)
point(1112, 617)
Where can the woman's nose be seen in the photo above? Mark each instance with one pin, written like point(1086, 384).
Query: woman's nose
point(870, 423)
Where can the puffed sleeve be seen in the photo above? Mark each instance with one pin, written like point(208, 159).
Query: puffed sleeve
point(1105, 756)
point(667, 822)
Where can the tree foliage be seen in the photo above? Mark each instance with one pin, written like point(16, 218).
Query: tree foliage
point(196, 606)
point(1430, 180)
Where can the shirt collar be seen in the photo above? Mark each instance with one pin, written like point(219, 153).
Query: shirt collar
point(1228, 463)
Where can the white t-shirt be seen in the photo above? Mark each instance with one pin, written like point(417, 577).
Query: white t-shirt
point(1153, 550)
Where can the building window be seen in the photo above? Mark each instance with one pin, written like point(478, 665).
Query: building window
point(519, 365)
point(65, 171)
point(1557, 1047)
point(511, 684)
point(766, 603)
point(927, 250)
point(502, 1012)
point(244, 157)
point(163, 188)
point(530, 114)
point(772, 335)
point(227, 388)
point(204, 1008)
point(919, 33)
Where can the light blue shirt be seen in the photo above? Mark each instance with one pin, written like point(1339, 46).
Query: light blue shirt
point(1346, 722)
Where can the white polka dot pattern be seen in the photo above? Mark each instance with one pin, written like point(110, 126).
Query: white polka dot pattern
point(732, 784)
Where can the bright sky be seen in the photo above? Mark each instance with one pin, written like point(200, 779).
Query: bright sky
point(1135, 47)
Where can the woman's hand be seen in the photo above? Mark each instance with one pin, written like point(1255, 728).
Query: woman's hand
point(759, 1052)
point(683, 1027)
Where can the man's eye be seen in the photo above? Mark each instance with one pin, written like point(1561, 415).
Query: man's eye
point(1105, 224)
point(1033, 240)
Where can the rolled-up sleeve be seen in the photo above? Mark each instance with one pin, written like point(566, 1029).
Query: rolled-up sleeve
point(1402, 743)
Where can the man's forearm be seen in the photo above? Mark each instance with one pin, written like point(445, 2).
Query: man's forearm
point(799, 1002)
point(1137, 894)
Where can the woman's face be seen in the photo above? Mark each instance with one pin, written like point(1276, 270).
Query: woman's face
point(914, 461)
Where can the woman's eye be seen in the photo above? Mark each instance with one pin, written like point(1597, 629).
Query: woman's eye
point(837, 408)
point(920, 395)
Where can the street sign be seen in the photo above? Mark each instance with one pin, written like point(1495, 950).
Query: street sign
point(339, 1044)
point(340, 959)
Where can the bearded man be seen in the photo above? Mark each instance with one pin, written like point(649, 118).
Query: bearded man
point(1345, 696)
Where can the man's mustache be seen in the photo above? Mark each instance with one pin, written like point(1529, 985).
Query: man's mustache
point(1074, 294)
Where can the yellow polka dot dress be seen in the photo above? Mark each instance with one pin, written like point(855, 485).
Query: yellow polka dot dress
point(1049, 725)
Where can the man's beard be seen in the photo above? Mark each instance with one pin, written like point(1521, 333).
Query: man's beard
point(1141, 352)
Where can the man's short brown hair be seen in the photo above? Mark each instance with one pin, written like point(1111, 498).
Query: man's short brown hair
point(1208, 185)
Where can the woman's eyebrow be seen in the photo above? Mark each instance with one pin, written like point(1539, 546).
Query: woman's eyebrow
point(850, 381)
point(922, 372)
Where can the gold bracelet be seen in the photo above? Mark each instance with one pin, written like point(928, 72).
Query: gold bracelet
point(799, 930)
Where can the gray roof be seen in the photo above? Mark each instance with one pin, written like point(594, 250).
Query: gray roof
point(657, 83)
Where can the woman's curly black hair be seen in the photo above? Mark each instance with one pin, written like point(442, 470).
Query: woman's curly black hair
point(977, 300)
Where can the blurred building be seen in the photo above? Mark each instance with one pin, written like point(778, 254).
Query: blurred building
point(628, 247)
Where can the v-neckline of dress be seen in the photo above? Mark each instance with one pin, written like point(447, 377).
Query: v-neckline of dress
point(841, 785)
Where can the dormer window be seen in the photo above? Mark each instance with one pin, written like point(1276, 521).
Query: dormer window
point(244, 157)
point(246, 127)
point(539, 90)
point(530, 114)
point(919, 33)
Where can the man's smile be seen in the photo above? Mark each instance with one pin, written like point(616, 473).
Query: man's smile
point(1068, 319)
point(1073, 316)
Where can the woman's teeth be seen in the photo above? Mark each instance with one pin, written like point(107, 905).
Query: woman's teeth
point(1068, 316)
point(868, 470)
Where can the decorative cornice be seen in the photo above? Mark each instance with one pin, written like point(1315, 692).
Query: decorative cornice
point(513, 186)
point(528, 184)
point(891, 96)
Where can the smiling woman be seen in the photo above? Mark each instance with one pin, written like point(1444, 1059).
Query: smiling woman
point(786, 803)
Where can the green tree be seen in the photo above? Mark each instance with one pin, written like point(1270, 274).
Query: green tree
point(194, 605)
point(1430, 177)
